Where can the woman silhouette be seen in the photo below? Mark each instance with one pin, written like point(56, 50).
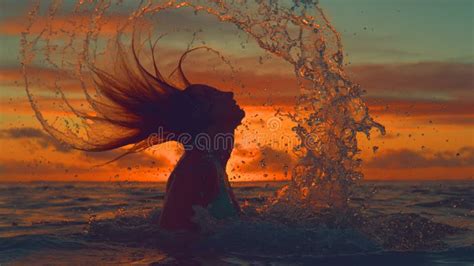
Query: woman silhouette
point(199, 178)
point(137, 105)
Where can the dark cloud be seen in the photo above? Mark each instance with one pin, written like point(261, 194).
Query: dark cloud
point(267, 159)
point(46, 141)
point(411, 107)
point(42, 138)
point(26, 132)
point(44, 168)
point(456, 120)
point(404, 158)
point(38, 167)
point(141, 159)
point(447, 79)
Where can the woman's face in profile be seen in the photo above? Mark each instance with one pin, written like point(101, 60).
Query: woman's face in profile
point(219, 105)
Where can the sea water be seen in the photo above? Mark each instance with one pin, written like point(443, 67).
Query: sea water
point(422, 223)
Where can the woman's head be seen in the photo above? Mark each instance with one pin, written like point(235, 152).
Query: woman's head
point(142, 103)
point(213, 107)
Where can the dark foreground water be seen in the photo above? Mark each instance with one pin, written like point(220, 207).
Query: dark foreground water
point(403, 223)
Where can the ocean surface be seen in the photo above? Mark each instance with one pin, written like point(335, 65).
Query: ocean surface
point(389, 223)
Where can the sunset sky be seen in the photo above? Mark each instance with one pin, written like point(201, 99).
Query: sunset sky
point(414, 58)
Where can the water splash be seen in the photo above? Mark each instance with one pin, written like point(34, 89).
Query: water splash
point(329, 112)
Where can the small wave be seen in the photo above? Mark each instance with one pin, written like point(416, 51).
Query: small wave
point(83, 199)
point(57, 223)
point(18, 246)
point(158, 197)
point(95, 208)
point(460, 203)
point(421, 190)
point(142, 192)
point(54, 187)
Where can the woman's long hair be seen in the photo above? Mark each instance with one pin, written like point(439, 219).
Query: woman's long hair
point(130, 105)
point(134, 99)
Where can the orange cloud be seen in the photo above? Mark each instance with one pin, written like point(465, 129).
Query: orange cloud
point(266, 159)
point(41, 137)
